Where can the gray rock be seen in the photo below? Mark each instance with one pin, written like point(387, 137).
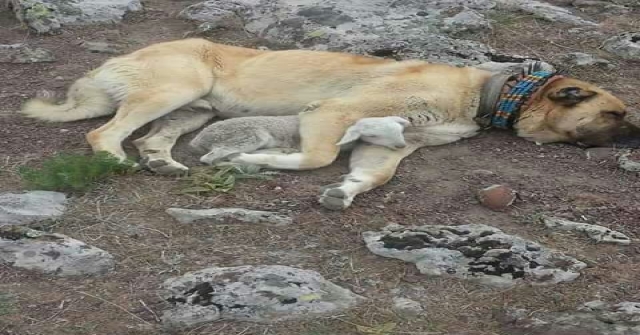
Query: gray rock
point(264, 293)
point(454, 250)
point(545, 11)
point(406, 29)
point(597, 233)
point(593, 318)
point(222, 215)
point(102, 47)
point(583, 59)
point(628, 163)
point(467, 20)
point(625, 45)
point(51, 253)
point(23, 208)
point(407, 307)
point(22, 53)
point(48, 16)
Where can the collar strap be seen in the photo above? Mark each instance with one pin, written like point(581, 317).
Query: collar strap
point(509, 104)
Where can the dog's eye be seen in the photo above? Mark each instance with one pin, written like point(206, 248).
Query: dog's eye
point(614, 114)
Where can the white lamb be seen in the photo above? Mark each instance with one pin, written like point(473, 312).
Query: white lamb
point(247, 134)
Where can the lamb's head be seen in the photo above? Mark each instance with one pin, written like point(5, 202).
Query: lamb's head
point(384, 131)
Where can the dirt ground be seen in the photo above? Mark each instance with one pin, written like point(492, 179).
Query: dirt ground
point(434, 186)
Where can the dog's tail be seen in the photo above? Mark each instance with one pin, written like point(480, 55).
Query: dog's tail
point(85, 100)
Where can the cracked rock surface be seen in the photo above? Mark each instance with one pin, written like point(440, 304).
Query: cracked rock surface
point(264, 293)
point(475, 252)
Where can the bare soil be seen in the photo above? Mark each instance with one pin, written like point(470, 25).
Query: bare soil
point(434, 186)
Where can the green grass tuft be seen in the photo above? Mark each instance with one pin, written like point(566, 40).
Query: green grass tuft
point(73, 173)
point(223, 177)
point(6, 304)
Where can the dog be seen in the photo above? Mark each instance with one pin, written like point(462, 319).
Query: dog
point(197, 79)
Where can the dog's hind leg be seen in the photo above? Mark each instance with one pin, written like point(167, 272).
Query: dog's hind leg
point(155, 147)
point(138, 109)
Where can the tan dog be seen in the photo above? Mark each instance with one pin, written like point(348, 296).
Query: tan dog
point(332, 90)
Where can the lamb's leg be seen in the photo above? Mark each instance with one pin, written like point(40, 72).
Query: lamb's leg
point(371, 166)
point(243, 143)
point(155, 147)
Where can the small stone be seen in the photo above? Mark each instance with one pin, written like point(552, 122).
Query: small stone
point(625, 45)
point(497, 197)
point(629, 161)
point(222, 215)
point(407, 307)
point(24, 54)
point(466, 20)
point(102, 47)
point(583, 59)
point(545, 11)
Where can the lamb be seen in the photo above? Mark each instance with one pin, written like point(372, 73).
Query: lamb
point(247, 134)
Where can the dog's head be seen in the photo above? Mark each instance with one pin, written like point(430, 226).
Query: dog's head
point(572, 111)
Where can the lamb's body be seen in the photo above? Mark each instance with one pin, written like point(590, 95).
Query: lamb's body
point(248, 134)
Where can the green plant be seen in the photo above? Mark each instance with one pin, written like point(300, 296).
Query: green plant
point(72, 172)
point(223, 177)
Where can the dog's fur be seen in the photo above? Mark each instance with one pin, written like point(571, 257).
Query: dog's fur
point(332, 90)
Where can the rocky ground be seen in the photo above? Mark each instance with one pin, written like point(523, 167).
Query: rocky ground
point(144, 250)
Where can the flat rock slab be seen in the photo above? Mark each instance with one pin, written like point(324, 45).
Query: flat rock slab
point(475, 252)
point(23, 54)
point(224, 215)
point(593, 318)
point(264, 293)
point(51, 253)
point(597, 233)
point(625, 45)
point(48, 16)
point(23, 208)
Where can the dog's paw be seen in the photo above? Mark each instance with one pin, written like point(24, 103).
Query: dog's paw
point(161, 166)
point(335, 199)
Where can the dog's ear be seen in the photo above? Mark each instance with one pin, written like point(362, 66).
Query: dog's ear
point(351, 135)
point(570, 96)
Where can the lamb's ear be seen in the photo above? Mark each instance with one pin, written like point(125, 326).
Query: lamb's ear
point(351, 135)
point(402, 121)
